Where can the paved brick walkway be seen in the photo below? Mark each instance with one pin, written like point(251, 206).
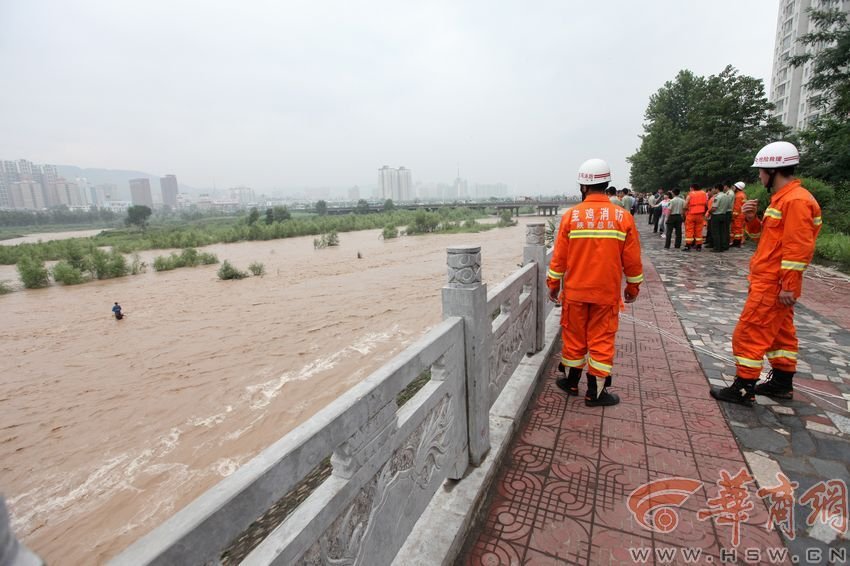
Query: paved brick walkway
point(561, 496)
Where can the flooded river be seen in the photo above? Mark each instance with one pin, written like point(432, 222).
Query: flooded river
point(107, 427)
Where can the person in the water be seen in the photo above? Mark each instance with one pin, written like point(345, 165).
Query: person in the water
point(116, 310)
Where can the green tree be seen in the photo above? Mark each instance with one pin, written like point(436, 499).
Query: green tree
point(137, 215)
point(281, 213)
point(826, 143)
point(362, 207)
point(253, 216)
point(269, 216)
point(703, 129)
point(321, 208)
point(389, 205)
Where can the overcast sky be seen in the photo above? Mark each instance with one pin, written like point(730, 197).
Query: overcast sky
point(285, 94)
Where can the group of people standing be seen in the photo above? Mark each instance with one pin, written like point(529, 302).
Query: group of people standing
point(597, 245)
point(712, 218)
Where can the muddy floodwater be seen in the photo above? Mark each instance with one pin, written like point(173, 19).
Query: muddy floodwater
point(108, 427)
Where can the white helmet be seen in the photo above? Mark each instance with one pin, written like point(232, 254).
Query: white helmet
point(740, 185)
point(593, 172)
point(776, 154)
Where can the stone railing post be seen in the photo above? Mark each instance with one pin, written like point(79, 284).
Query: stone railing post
point(535, 250)
point(465, 296)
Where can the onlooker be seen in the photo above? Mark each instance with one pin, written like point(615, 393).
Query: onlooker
point(674, 220)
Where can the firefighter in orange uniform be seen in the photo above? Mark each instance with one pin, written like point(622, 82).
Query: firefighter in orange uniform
point(695, 209)
point(596, 244)
point(737, 236)
point(786, 243)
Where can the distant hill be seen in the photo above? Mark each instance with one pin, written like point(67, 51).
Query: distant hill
point(117, 177)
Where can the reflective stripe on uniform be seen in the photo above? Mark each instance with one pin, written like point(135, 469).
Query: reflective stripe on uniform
point(579, 363)
point(555, 274)
point(598, 365)
point(613, 234)
point(782, 354)
point(752, 236)
point(635, 279)
point(818, 220)
point(794, 265)
point(747, 362)
point(773, 213)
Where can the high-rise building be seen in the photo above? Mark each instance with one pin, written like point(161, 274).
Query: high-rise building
point(354, 193)
point(388, 182)
point(140, 192)
point(26, 194)
point(103, 195)
point(794, 100)
point(170, 189)
point(405, 185)
point(243, 195)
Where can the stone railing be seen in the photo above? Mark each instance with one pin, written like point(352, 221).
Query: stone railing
point(387, 461)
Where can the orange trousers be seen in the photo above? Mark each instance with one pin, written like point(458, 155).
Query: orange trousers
point(766, 328)
point(737, 228)
point(694, 225)
point(589, 331)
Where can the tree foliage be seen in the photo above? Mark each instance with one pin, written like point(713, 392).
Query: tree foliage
point(703, 130)
point(362, 207)
point(321, 208)
point(826, 143)
point(137, 215)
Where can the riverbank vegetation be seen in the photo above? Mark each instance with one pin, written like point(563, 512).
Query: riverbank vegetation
point(189, 257)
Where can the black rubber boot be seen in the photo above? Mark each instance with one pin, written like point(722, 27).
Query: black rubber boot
point(686, 249)
point(699, 247)
point(569, 384)
point(736, 244)
point(778, 385)
point(596, 398)
point(742, 392)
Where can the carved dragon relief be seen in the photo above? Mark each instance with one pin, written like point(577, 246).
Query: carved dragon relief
point(414, 462)
point(509, 347)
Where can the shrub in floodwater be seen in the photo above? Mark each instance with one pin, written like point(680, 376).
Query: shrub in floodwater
point(389, 232)
point(228, 271)
point(65, 273)
point(326, 240)
point(137, 265)
point(189, 257)
point(5, 288)
point(33, 273)
point(257, 269)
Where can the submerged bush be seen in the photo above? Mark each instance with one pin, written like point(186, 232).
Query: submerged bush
point(67, 274)
point(33, 273)
point(257, 268)
point(326, 240)
point(389, 232)
point(5, 288)
point(228, 271)
point(187, 258)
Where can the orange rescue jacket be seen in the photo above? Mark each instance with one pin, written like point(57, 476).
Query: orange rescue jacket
point(697, 200)
point(786, 240)
point(596, 243)
point(740, 197)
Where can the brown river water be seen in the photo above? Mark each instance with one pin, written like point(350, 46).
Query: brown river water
point(109, 427)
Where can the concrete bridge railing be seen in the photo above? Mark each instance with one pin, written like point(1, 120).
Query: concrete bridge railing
point(388, 460)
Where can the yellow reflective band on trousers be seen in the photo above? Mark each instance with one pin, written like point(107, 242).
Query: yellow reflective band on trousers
point(782, 354)
point(818, 220)
point(555, 274)
point(747, 362)
point(612, 234)
point(794, 265)
point(773, 213)
point(598, 365)
point(635, 279)
point(752, 236)
point(579, 363)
